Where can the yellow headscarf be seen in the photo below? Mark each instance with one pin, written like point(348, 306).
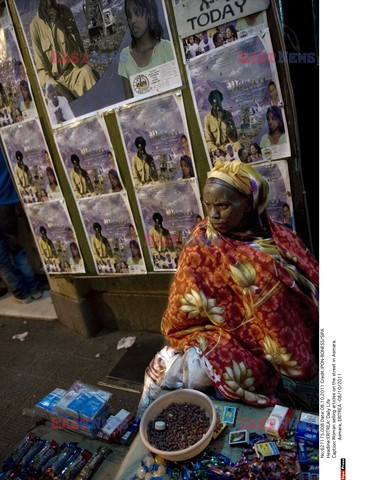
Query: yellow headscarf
point(245, 179)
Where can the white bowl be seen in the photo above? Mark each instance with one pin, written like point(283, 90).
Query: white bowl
point(179, 396)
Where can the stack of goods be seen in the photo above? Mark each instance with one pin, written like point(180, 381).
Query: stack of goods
point(39, 459)
point(83, 405)
point(307, 438)
point(208, 465)
point(85, 410)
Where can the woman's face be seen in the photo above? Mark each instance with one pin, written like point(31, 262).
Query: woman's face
point(273, 92)
point(273, 123)
point(253, 150)
point(184, 143)
point(225, 207)
point(50, 177)
point(114, 181)
point(229, 34)
point(286, 212)
point(136, 18)
point(134, 250)
point(185, 170)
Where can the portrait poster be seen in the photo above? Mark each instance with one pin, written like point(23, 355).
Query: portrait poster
point(212, 38)
point(87, 55)
point(55, 238)
point(239, 102)
point(193, 16)
point(156, 140)
point(169, 213)
point(88, 158)
point(16, 98)
point(30, 162)
point(280, 205)
point(112, 236)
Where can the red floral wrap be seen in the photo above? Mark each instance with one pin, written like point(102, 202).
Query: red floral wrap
point(249, 310)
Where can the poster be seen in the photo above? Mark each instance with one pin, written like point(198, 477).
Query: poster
point(88, 158)
point(112, 234)
point(169, 212)
point(94, 61)
point(212, 38)
point(55, 237)
point(193, 16)
point(236, 104)
point(30, 162)
point(4, 14)
point(16, 98)
point(156, 140)
point(280, 206)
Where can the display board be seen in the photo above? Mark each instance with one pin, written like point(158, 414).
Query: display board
point(88, 54)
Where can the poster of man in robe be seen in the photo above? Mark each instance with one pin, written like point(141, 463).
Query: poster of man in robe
point(55, 238)
point(88, 158)
point(33, 171)
point(169, 213)
point(16, 98)
point(156, 140)
point(112, 235)
point(234, 103)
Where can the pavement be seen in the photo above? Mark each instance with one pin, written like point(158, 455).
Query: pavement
point(51, 356)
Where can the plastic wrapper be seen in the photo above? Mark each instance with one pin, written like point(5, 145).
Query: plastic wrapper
point(43, 456)
point(171, 369)
point(32, 452)
point(94, 463)
point(83, 402)
point(46, 406)
point(67, 450)
point(76, 463)
point(22, 449)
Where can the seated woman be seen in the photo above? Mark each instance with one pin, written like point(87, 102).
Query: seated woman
point(245, 292)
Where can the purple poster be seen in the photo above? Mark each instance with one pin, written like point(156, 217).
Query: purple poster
point(55, 238)
point(280, 206)
point(112, 234)
point(30, 162)
point(88, 158)
point(156, 140)
point(238, 100)
point(169, 213)
point(16, 98)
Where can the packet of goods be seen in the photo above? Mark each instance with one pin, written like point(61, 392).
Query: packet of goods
point(47, 405)
point(308, 429)
point(278, 422)
point(83, 402)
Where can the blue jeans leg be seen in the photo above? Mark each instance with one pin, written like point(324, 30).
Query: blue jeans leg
point(20, 261)
point(10, 273)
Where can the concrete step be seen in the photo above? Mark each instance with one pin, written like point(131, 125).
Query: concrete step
point(42, 309)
